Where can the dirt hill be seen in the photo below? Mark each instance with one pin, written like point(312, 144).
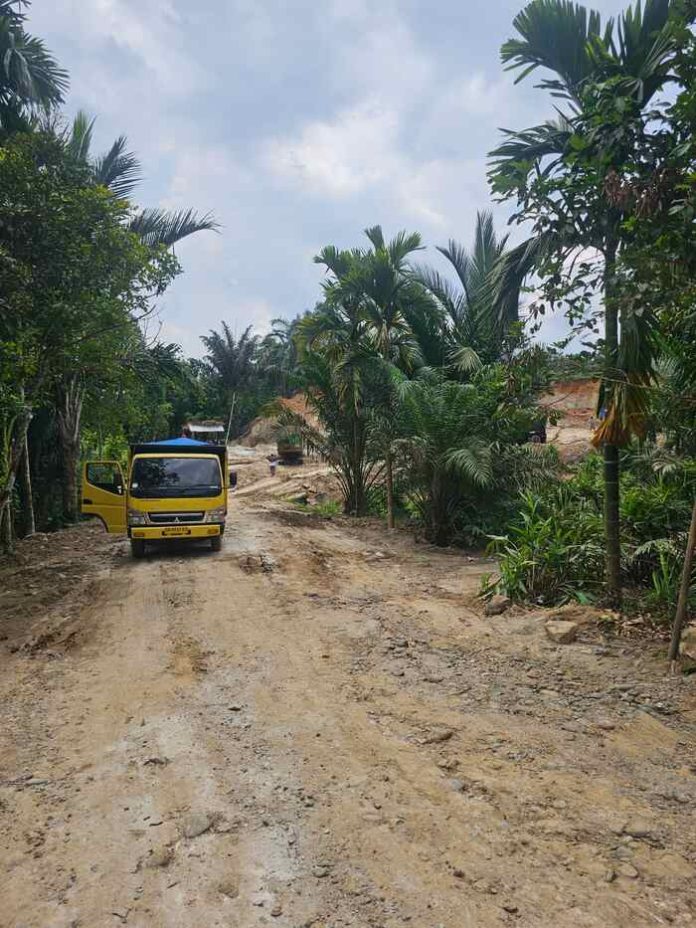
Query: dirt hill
point(576, 400)
point(264, 429)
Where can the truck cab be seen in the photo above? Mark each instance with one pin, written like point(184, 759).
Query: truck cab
point(173, 489)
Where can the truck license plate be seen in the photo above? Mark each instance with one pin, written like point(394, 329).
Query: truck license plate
point(176, 531)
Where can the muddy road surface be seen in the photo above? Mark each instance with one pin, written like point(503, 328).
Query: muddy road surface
point(319, 727)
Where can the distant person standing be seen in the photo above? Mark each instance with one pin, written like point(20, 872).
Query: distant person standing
point(273, 463)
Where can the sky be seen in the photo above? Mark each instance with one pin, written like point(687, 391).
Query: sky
point(298, 124)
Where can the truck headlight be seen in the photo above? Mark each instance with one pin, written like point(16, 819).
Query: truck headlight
point(137, 517)
point(216, 515)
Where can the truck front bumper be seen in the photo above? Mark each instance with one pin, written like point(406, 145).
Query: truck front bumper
point(160, 532)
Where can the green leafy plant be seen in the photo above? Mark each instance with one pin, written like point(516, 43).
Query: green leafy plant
point(552, 553)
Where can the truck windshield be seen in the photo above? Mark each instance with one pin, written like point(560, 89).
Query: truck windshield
point(161, 478)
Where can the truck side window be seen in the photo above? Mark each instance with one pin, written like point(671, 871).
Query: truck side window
point(106, 477)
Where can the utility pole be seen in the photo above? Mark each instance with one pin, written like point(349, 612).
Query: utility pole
point(229, 421)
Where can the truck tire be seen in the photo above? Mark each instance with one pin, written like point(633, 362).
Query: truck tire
point(137, 547)
point(216, 543)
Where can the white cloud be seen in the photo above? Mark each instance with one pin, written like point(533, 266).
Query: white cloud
point(381, 51)
point(357, 149)
point(203, 174)
point(297, 124)
point(150, 31)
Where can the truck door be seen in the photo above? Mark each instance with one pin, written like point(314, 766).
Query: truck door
point(104, 494)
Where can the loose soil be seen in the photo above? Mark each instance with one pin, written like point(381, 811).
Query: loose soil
point(319, 727)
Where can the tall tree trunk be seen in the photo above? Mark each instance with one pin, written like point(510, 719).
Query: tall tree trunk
point(612, 527)
point(69, 415)
point(358, 504)
point(680, 614)
point(27, 495)
point(6, 529)
point(15, 452)
point(389, 468)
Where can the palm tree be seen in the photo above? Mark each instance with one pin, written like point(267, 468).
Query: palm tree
point(342, 374)
point(348, 437)
point(232, 359)
point(475, 319)
point(448, 446)
point(120, 170)
point(278, 356)
point(30, 78)
point(633, 58)
point(384, 281)
point(377, 289)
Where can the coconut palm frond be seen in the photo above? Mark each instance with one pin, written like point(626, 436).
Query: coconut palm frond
point(118, 169)
point(441, 288)
point(458, 257)
point(29, 74)
point(162, 227)
point(478, 322)
point(80, 137)
point(646, 40)
point(512, 269)
point(559, 36)
point(465, 359)
point(473, 463)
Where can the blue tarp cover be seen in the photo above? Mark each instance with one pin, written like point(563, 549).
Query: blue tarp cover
point(180, 443)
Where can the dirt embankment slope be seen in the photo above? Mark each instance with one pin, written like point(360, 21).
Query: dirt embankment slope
point(576, 402)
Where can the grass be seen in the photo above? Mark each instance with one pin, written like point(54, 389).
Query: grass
point(326, 510)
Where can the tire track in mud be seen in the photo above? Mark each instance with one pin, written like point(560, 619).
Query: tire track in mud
point(313, 728)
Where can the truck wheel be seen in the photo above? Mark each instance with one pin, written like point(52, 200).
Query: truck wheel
point(137, 547)
point(216, 543)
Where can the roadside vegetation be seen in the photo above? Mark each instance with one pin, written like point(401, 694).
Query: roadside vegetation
point(422, 370)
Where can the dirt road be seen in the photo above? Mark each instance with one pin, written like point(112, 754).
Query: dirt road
point(318, 727)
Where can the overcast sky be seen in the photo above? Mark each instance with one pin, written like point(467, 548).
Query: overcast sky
point(298, 124)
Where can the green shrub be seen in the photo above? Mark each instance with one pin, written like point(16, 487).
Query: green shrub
point(553, 548)
point(553, 552)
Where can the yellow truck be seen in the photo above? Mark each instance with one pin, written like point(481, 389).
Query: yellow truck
point(174, 489)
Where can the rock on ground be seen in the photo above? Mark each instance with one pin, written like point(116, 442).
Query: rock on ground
point(497, 605)
point(195, 824)
point(562, 632)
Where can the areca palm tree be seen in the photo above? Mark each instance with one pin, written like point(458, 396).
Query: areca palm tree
point(30, 77)
point(341, 376)
point(391, 297)
point(349, 432)
point(336, 360)
point(120, 170)
point(589, 64)
point(476, 320)
point(378, 286)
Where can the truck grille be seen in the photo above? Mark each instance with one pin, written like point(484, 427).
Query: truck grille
point(174, 518)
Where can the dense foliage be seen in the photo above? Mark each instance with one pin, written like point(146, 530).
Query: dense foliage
point(552, 552)
point(81, 269)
